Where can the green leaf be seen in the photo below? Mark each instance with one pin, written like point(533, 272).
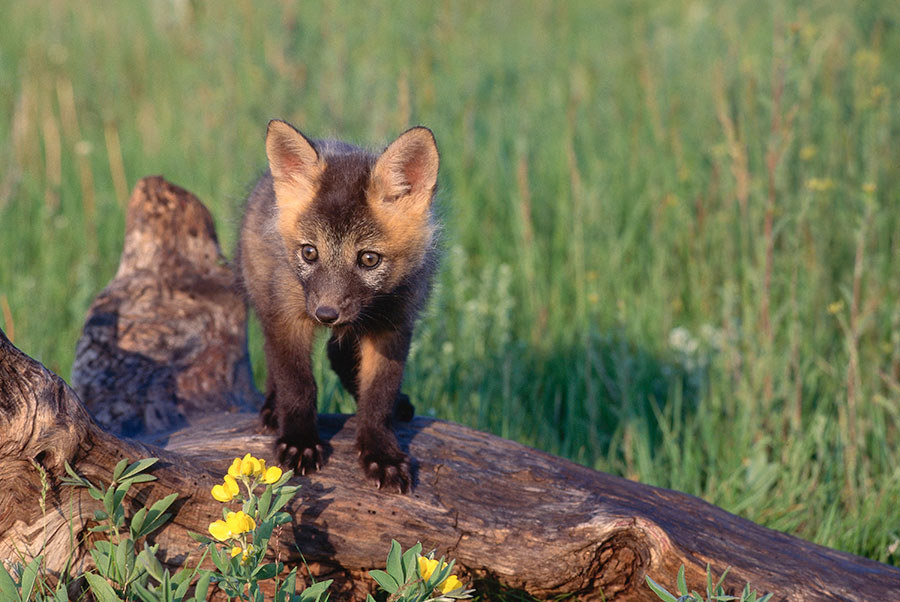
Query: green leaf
point(163, 504)
point(265, 501)
point(147, 559)
point(137, 521)
point(315, 591)
point(394, 565)
point(102, 590)
point(410, 561)
point(121, 562)
point(660, 591)
point(199, 538)
point(182, 588)
point(442, 573)
point(6, 582)
point(721, 580)
point(120, 466)
point(139, 466)
point(61, 594)
point(202, 585)
point(369, 598)
point(119, 495)
point(385, 581)
point(166, 587)
point(29, 575)
point(218, 560)
point(281, 518)
point(682, 584)
point(77, 479)
point(141, 478)
point(143, 593)
point(156, 515)
point(108, 501)
point(263, 531)
point(284, 496)
point(265, 571)
point(101, 560)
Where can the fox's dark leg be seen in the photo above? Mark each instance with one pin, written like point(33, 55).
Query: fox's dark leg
point(382, 356)
point(343, 353)
point(291, 398)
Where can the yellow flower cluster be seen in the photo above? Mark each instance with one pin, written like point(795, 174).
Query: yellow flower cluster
point(235, 524)
point(244, 469)
point(427, 567)
point(255, 468)
point(227, 490)
point(238, 550)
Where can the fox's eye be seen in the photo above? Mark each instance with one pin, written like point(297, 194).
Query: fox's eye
point(369, 259)
point(309, 253)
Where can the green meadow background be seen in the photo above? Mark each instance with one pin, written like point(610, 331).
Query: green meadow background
point(672, 227)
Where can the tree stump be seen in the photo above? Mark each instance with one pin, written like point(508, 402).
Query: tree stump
point(163, 356)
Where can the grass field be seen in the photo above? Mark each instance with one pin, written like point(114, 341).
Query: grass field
point(672, 227)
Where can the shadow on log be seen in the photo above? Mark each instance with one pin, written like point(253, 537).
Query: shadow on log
point(164, 348)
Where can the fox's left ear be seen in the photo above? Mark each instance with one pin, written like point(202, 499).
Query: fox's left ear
point(407, 169)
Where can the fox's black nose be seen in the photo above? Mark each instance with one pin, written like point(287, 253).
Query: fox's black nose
point(326, 315)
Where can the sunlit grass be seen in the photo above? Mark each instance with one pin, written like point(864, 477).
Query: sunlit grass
point(671, 227)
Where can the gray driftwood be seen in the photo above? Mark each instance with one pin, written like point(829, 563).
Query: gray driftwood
point(166, 339)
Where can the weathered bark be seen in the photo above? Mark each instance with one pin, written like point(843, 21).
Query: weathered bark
point(165, 341)
point(504, 511)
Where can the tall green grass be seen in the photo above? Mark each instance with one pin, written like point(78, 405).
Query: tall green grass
point(672, 227)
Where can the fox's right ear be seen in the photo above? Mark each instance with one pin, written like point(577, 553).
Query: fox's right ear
point(292, 156)
point(296, 168)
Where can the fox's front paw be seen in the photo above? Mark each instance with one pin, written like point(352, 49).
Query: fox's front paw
point(305, 454)
point(382, 460)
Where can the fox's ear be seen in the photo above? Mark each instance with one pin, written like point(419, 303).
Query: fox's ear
point(291, 155)
point(407, 169)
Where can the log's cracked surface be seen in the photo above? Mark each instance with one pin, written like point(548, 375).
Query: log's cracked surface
point(504, 511)
point(165, 340)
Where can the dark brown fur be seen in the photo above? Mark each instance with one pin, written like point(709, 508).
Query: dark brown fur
point(343, 201)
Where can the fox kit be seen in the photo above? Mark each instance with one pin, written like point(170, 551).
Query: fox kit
point(334, 236)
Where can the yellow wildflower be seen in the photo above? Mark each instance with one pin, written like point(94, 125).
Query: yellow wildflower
point(427, 566)
point(226, 491)
point(235, 469)
point(220, 530)
point(272, 474)
point(869, 188)
point(240, 522)
point(235, 523)
point(836, 307)
point(450, 583)
point(239, 550)
point(250, 466)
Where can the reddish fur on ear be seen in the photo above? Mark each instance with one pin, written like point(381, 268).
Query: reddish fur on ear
point(295, 167)
point(291, 155)
point(408, 168)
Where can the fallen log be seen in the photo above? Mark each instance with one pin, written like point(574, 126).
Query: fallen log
point(504, 511)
